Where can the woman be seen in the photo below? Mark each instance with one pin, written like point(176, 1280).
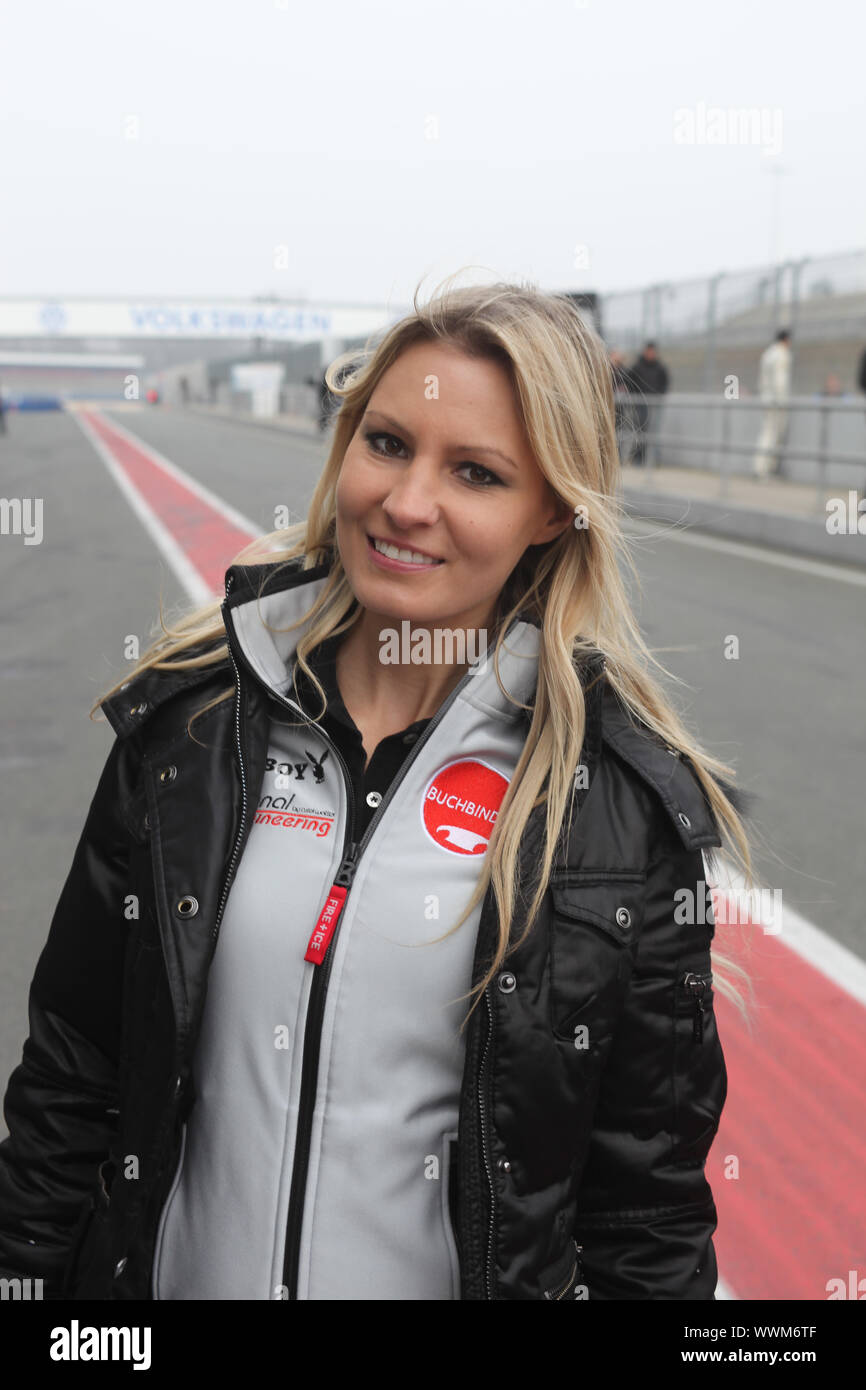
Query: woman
point(369, 978)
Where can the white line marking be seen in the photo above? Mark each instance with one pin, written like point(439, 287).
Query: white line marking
point(185, 571)
point(814, 945)
point(841, 573)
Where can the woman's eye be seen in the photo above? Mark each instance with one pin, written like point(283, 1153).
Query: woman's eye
point(489, 479)
point(373, 435)
point(493, 477)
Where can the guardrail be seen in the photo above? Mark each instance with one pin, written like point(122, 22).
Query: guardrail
point(717, 448)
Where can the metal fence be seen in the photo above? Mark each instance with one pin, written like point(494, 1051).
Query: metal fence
point(718, 325)
point(819, 441)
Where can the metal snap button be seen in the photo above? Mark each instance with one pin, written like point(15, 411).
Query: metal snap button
point(504, 1165)
point(374, 798)
point(146, 822)
point(623, 917)
point(507, 983)
point(120, 1266)
point(187, 907)
point(684, 820)
point(168, 774)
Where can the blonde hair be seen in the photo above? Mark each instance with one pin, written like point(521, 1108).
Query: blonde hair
point(571, 586)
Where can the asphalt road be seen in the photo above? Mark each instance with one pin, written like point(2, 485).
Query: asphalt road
point(788, 714)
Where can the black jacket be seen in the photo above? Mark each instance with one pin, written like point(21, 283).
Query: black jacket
point(580, 1169)
point(650, 376)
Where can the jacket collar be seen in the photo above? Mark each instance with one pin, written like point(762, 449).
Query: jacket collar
point(136, 701)
point(264, 630)
point(130, 708)
point(664, 769)
point(607, 718)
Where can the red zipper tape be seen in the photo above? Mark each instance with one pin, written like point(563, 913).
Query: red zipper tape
point(324, 928)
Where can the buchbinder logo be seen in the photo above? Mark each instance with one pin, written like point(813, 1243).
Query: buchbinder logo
point(460, 805)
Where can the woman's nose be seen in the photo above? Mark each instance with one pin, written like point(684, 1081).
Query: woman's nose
point(413, 497)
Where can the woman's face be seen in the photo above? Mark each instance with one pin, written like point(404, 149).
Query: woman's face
point(440, 465)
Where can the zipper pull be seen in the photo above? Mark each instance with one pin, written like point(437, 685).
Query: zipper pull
point(317, 947)
point(346, 871)
point(698, 1031)
point(697, 988)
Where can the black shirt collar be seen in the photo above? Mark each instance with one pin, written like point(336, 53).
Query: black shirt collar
point(323, 661)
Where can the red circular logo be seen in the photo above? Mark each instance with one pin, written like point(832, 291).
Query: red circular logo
point(461, 804)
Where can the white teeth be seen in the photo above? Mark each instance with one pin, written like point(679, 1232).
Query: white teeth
point(411, 556)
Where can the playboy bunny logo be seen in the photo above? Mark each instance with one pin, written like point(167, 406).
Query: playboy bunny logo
point(318, 769)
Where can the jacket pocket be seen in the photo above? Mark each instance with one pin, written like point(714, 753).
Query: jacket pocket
point(700, 1077)
point(89, 1269)
point(565, 1281)
point(448, 1198)
point(695, 999)
point(595, 922)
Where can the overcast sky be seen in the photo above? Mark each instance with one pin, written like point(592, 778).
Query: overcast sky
point(174, 146)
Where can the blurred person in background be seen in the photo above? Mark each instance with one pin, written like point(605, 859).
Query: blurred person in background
point(832, 387)
point(326, 399)
point(861, 373)
point(650, 378)
point(861, 386)
point(774, 388)
point(622, 387)
point(619, 371)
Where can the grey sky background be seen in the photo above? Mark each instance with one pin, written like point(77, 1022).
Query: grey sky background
point(267, 123)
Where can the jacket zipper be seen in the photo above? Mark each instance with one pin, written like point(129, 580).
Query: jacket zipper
point(239, 839)
point(236, 851)
point(557, 1293)
point(482, 1111)
point(318, 988)
point(696, 986)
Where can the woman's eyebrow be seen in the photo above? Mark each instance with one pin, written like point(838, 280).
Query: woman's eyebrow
point(461, 448)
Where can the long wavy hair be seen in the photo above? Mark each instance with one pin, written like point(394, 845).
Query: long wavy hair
point(572, 586)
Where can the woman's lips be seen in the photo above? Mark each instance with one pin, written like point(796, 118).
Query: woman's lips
point(404, 566)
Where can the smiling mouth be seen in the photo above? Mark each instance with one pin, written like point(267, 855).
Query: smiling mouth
point(402, 553)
